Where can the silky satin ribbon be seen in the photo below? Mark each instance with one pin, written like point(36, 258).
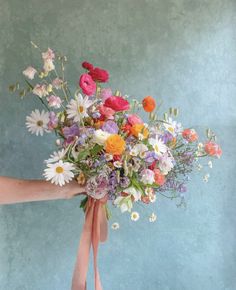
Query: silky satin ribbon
point(95, 230)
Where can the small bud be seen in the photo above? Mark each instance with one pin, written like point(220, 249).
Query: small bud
point(176, 112)
point(81, 179)
point(41, 75)
point(117, 93)
point(58, 142)
point(49, 88)
point(171, 110)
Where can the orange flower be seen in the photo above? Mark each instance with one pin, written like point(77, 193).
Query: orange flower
point(149, 104)
point(139, 129)
point(98, 124)
point(115, 144)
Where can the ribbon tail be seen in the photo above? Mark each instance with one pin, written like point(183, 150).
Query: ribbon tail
point(82, 261)
point(96, 236)
point(103, 224)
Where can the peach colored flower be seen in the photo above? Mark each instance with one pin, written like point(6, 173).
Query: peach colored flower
point(213, 149)
point(190, 135)
point(139, 129)
point(115, 144)
point(106, 112)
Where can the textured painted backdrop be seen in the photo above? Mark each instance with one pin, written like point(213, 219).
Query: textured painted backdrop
point(183, 51)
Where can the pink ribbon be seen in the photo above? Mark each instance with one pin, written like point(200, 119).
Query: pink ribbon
point(95, 230)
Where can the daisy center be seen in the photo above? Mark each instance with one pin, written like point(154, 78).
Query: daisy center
point(135, 215)
point(59, 169)
point(171, 129)
point(156, 148)
point(40, 123)
point(81, 109)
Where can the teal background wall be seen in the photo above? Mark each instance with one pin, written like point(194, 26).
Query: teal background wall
point(182, 51)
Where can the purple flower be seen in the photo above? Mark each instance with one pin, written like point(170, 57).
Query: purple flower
point(112, 182)
point(110, 127)
point(150, 156)
point(182, 188)
point(71, 131)
point(90, 132)
point(82, 139)
point(124, 182)
point(53, 121)
point(167, 137)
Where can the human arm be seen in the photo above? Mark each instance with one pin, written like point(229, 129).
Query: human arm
point(14, 190)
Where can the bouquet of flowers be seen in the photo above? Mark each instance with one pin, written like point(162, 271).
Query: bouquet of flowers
point(104, 143)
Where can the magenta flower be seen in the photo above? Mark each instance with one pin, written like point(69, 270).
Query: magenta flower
point(87, 85)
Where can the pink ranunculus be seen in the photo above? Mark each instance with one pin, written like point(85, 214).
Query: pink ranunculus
point(134, 119)
point(87, 84)
point(105, 94)
point(54, 101)
point(117, 104)
point(99, 75)
point(87, 65)
point(213, 149)
point(106, 112)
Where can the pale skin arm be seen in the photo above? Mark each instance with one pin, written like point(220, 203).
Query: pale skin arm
point(14, 190)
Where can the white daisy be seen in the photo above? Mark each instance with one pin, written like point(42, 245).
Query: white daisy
point(37, 123)
point(158, 145)
point(56, 156)
point(139, 149)
point(152, 218)
point(134, 216)
point(59, 172)
point(173, 127)
point(115, 226)
point(77, 108)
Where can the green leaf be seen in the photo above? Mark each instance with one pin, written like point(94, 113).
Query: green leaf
point(83, 203)
point(108, 212)
point(83, 154)
point(96, 149)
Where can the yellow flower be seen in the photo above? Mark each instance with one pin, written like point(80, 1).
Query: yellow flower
point(115, 144)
